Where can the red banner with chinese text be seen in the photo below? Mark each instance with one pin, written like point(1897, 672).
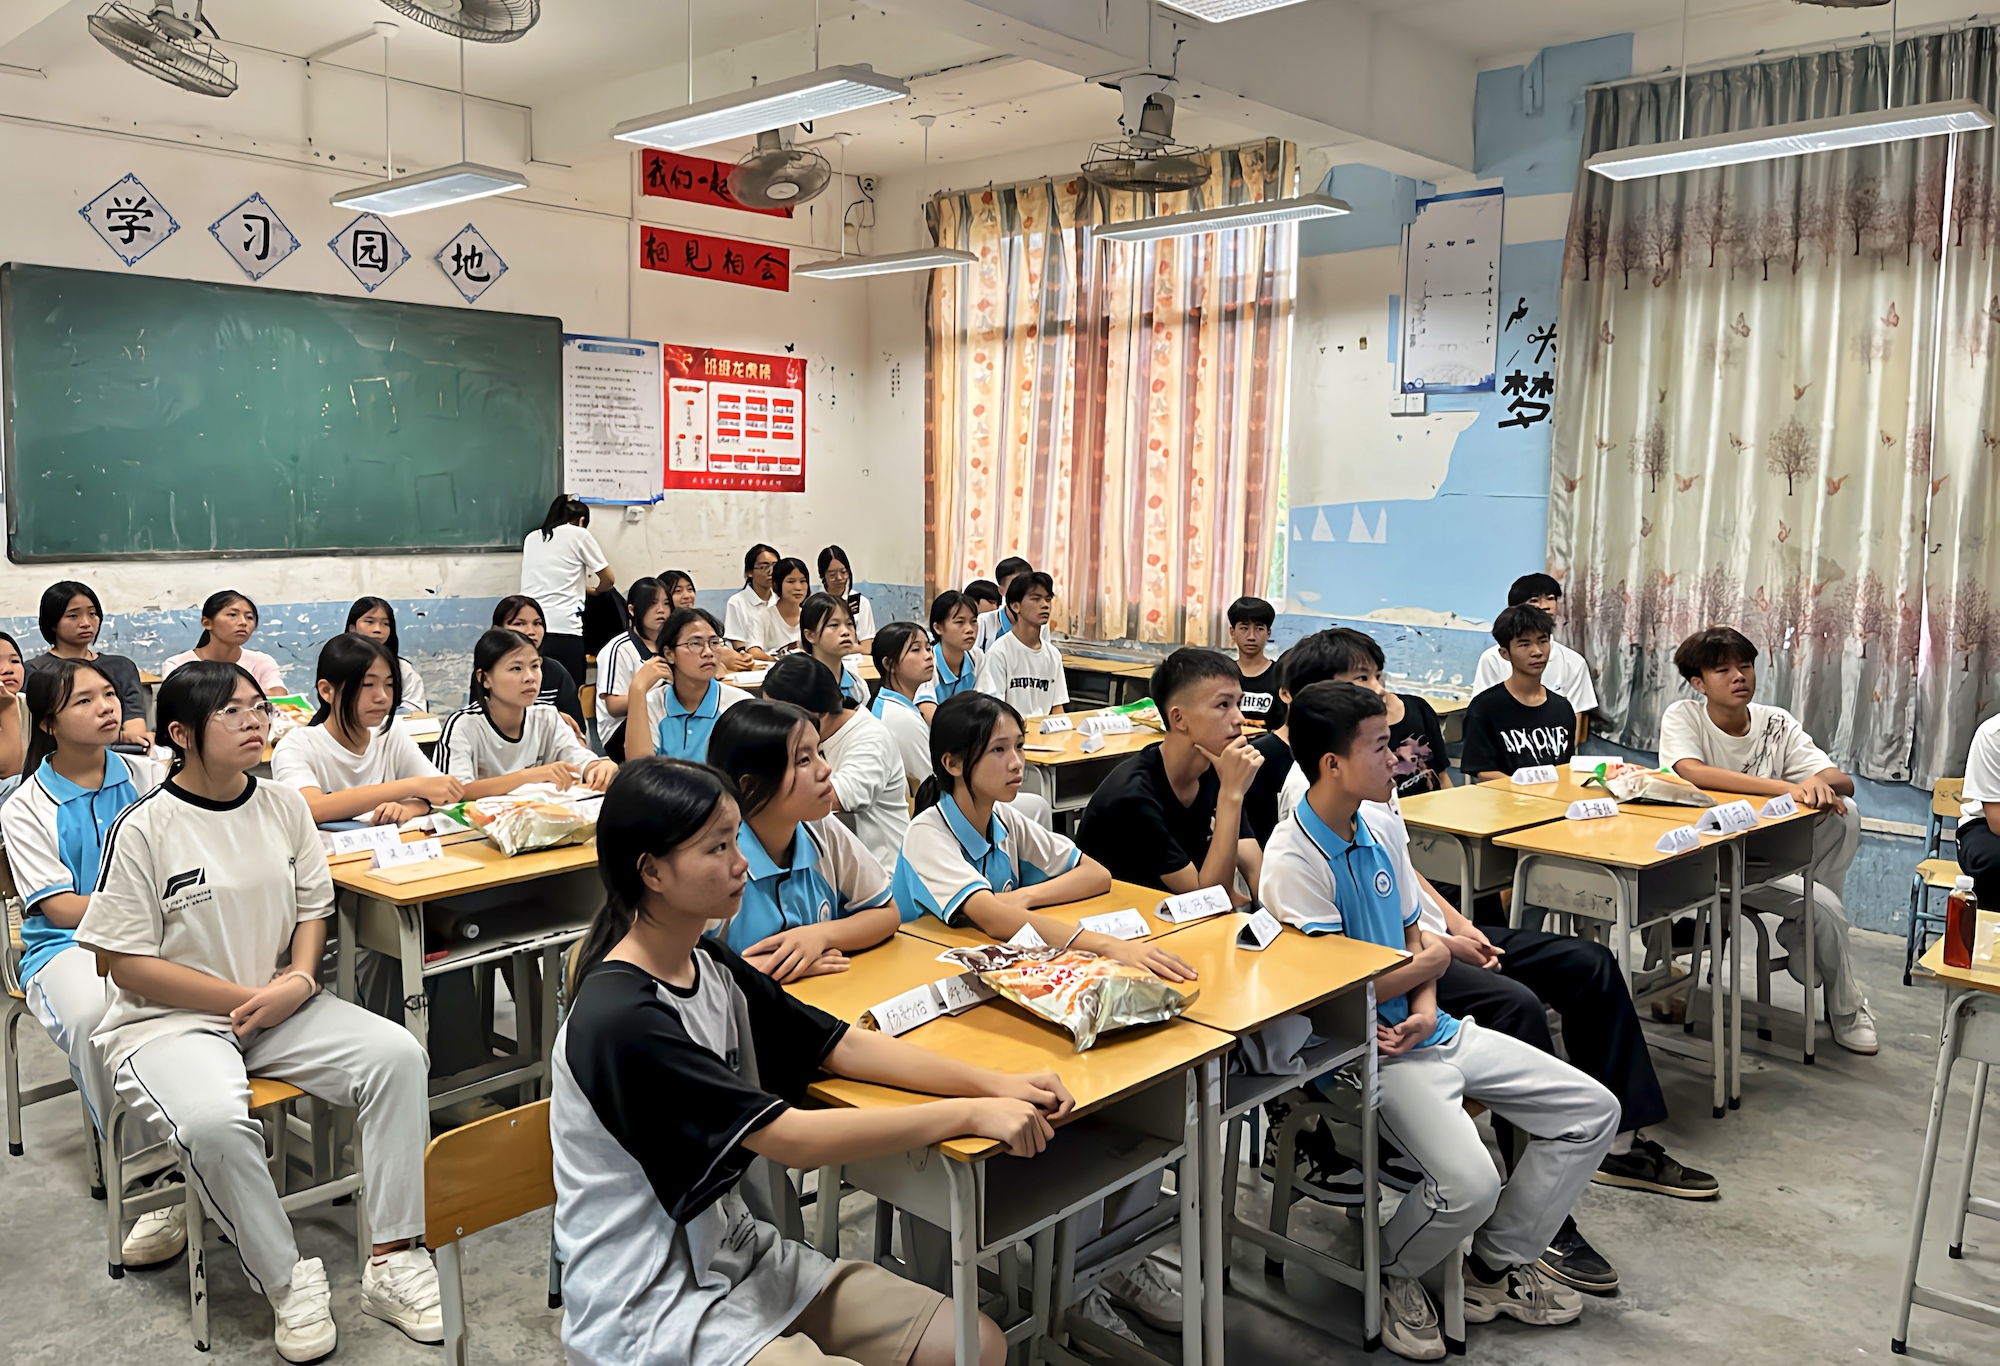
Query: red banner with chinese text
point(693, 180)
point(702, 257)
point(735, 420)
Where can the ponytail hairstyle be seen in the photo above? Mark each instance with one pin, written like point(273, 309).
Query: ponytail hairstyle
point(961, 727)
point(891, 643)
point(564, 511)
point(654, 806)
point(814, 614)
point(48, 691)
point(195, 692)
point(218, 603)
point(363, 606)
point(640, 599)
point(344, 662)
point(751, 746)
point(494, 646)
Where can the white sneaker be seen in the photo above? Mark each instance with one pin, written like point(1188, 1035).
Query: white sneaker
point(1096, 1307)
point(1526, 1293)
point(1409, 1321)
point(305, 1313)
point(158, 1237)
point(1150, 1290)
point(1856, 1032)
point(402, 1288)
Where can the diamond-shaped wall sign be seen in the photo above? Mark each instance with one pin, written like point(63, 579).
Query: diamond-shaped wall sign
point(471, 264)
point(130, 220)
point(368, 249)
point(255, 237)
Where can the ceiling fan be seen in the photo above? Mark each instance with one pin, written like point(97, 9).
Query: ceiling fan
point(166, 42)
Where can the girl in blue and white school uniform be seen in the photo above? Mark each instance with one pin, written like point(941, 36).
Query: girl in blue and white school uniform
point(815, 893)
point(683, 696)
point(902, 654)
point(955, 629)
point(826, 632)
point(649, 606)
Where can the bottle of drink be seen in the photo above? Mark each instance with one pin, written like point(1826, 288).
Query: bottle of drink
point(1961, 922)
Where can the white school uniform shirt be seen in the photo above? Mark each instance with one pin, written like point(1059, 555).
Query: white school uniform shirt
point(945, 860)
point(555, 572)
point(911, 732)
point(256, 663)
point(616, 663)
point(413, 688)
point(1031, 680)
point(472, 748)
point(992, 626)
point(740, 614)
point(217, 887)
point(1385, 819)
point(1567, 676)
point(1776, 746)
point(868, 778)
point(769, 631)
point(1982, 771)
point(311, 757)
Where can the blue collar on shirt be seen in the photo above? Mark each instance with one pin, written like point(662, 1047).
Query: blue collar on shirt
point(805, 854)
point(976, 846)
point(65, 791)
point(1332, 846)
point(888, 695)
point(710, 704)
point(948, 683)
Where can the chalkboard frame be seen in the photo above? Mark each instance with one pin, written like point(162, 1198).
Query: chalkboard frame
point(9, 463)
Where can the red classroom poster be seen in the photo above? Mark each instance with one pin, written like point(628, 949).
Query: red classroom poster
point(735, 420)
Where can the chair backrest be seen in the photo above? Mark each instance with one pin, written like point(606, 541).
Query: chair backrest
point(488, 1172)
point(586, 698)
point(1946, 796)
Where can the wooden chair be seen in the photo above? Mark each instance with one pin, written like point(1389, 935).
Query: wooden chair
point(14, 1011)
point(1934, 873)
point(479, 1175)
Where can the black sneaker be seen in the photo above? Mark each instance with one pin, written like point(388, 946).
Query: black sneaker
point(1648, 1167)
point(1576, 1263)
point(1275, 1112)
point(1323, 1171)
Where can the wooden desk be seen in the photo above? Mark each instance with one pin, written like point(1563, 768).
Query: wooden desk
point(1063, 774)
point(1452, 832)
point(1449, 706)
point(1124, 680)
point(1243, 990)
point(1971, 1030)
point(1570, 786)
point(864, 668)
point(1122, 894)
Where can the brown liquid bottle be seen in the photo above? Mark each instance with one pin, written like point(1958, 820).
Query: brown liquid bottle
point(1961, 922)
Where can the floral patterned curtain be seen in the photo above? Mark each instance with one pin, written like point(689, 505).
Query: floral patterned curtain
point(1112, 411)
point(1755, 361)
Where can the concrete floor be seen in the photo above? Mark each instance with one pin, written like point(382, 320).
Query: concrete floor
point(1798, 1261)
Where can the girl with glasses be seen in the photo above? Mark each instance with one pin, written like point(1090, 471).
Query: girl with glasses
point(683, 695)
point(836, 576)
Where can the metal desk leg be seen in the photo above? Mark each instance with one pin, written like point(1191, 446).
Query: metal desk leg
point(964, 1259)
point(1736, 864)
point(347, 925)
point(1959, 1210)
point(1811, 935)
point(410, 939)
point(1465, 892)
point(1718, 1036)
point(1214, 1257)
point(826, 1211)
point(1189, 1184)
point(1940, 1089)
point(1371, 1192)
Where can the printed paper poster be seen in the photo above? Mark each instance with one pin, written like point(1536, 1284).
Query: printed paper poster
point(735, 420)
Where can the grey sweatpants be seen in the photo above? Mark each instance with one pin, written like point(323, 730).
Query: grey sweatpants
point(1835, 839)
point(1569, 1120)
point(194, 1090)
point(69, 999)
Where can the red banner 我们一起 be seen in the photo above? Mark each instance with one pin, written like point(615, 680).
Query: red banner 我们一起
point(693, 180)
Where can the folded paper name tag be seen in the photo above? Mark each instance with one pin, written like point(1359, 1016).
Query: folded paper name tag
point(1588, 763)
point(921, 1005)
point(1780, 805)
point(1091, 743)
point(416, 851)
point(1592, 809)
point(963, 992)
point(1521, 777)
point(1730, 818)
point(1125, 924)
point(1195, 905)
point(1026, 938)
point(1678, 840)
point(1052, 724)
point(1258, 932)
point(1106, 723)
point(374, 837)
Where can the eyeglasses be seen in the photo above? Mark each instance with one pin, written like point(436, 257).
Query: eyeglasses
point(706, 645)
point(243, 718)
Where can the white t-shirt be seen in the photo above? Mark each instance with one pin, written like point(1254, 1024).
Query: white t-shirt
point(616, 663)
point(1032, 680)
point(259, 665)
point(215, 888)
point(1776, 746)
point(864, 618)
point(868, 778)
point(769, 631)
point(554, 572)
point(472, 747)
point(911, 732)
point(740, 615)
point(1567, 675)
point(311, 757)
point(1982, 768)
point(413, 688)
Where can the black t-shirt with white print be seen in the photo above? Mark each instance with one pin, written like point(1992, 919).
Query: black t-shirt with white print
point(1502, 735)
point(1418, 740)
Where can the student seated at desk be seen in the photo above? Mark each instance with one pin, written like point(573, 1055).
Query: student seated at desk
point(743, 615)
point(1567, 675)
point(678, 1066)
point(506, 738)
point(71, 617)
point(15, 724)
point(1979, 815)
point(1520, 722)
point(683, 695)
point(814, 894)
point(954, 619)
point(681, 593)
point(1172, 816)
point(836, 576)
point(618, 662)
point(871, 792)
point(1334, 868)
point(826, 632)
point(212, 908)
point(524, 614)
point(228, 620)
point(902, 653)
point(1023, 668)
point(997, 620)
point(777, 626)
point(54, 828)
point(375, 618)
point(984, 595)
point(1721, 740)
point(1250, 622)
point(353, 762)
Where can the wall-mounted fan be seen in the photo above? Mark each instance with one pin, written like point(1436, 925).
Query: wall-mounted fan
point(476, 21)
point(778, 175)
point(166, 42)
point(1147, 160)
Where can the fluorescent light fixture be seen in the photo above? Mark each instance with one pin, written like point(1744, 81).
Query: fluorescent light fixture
point(1793, 139)
point(430, 190)
point(854, 267)
point(1258, 215)
point(1222, 11)
point(801, 99)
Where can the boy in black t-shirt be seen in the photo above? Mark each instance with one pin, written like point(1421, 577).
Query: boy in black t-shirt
point(1416, 736)
point(1250, 623)
point(1518, 723)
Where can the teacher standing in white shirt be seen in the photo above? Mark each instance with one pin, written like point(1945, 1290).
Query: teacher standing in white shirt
point(558, 561)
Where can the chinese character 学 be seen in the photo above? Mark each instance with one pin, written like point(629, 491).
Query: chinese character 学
point(371, 249)
point(469, 261)
point(128, 216)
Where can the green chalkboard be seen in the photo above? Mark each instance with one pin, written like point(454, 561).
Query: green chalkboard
point(147, 417)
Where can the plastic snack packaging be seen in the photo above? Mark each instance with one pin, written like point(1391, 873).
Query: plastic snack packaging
point(527, 819)
point(1086, 993)
point(1633, 783)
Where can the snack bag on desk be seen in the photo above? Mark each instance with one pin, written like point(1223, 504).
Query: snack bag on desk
point(529, 818)
point(1636, 783)
point(1086, 993)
